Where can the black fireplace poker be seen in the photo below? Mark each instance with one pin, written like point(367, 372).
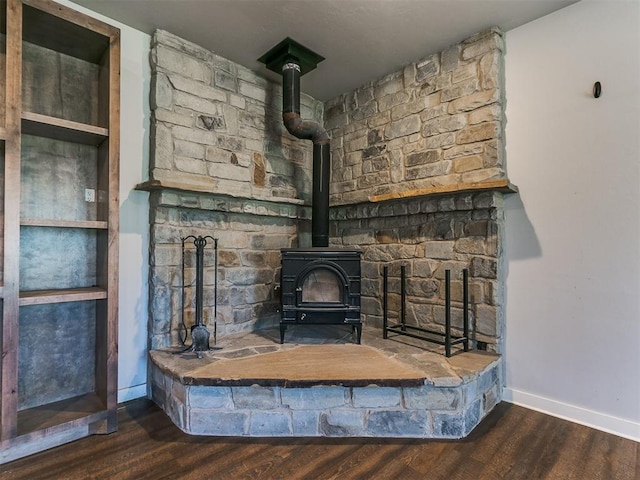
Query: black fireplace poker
point(200, 335)
point(293, 60)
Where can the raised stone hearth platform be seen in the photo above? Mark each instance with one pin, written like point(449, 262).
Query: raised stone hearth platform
point(321, 384)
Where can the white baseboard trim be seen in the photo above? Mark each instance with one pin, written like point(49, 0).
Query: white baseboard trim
point(599, 421)
point(131, 393)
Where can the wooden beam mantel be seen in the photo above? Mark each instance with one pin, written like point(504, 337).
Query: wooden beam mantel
point(503, 186)
point(154, 185)
point(160, 185)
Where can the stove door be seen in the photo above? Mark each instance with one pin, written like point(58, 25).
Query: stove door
point(322, 284)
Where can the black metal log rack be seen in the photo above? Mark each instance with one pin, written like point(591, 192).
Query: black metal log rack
point(447, 338)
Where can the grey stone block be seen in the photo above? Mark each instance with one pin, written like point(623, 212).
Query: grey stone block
point(218, 422)
point(158, 395)
point(490, 399)
point(271, 424)
point(403, 127)
point(472, 417)
point(398, 423)
point(254, 397)
point(162, 145)
point(486, 320)
point(470, 393)
point(161, 92)
point(252, 91)
point(209, 397)
point(305, 422)
point(315, 398)
point(186, 66)
point(432, 398)
point(487, 379)
point(162, 37)
point(375, 397)
point(448, 425)
point(176, 410)
point(484, 267)
point(341, 423)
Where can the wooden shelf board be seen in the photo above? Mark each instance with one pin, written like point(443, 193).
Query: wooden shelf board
point(60, 416)
point(43, 222)
point(39, 297)
point(503, 186)
point(61, 129)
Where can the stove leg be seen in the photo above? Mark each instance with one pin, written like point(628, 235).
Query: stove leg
point(358, 330)
point(283, 327)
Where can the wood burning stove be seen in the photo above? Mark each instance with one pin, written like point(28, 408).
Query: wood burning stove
point(320, 286)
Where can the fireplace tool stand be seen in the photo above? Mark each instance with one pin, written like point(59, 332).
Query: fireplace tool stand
point(200, 335)
point(446, 338)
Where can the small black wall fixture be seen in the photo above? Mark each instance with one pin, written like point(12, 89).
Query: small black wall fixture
point(597, 89)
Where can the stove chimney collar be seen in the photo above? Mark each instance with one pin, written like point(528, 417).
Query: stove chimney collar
point(290, 51)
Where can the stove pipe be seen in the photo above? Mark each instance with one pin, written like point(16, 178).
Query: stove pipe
point(293, 60)
point(308, 130)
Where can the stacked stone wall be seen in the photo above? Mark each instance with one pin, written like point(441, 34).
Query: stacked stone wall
point(250, 234)
point(217, 126)
point(435, 124)
point(438, 121)
point(234, 173)
point(222, 165)
point(428, 236)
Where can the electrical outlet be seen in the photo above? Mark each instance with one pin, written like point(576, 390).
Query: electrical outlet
point(89, 195)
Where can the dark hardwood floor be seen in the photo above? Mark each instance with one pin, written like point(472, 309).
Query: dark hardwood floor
point(511, 443)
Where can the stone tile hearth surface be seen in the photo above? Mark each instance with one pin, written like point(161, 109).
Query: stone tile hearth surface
point(258, 358)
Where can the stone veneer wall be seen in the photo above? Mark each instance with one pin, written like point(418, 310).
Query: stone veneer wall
point(223, 165)
point(436, 123)
point(428, 236)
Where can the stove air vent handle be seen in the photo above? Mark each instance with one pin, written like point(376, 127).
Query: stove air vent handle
point(298, 296)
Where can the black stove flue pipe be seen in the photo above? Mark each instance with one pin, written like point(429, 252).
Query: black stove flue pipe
point(309, 130)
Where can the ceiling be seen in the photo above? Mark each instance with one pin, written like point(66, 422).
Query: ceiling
point(361, 40)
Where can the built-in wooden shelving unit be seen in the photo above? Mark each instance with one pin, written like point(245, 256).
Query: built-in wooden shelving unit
point(59, 153)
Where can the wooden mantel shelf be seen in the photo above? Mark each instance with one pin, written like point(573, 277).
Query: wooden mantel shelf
point(155, 185)
point(503, 186)
point(159, 185)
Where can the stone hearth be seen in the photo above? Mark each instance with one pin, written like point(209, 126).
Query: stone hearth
point(320, 384)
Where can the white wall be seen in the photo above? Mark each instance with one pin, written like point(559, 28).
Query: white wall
point(573, 233)
point(135, 77)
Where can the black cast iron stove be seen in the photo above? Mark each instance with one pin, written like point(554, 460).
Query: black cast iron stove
point(320, 286)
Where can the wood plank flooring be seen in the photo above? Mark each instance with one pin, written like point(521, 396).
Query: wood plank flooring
point(511, 443)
